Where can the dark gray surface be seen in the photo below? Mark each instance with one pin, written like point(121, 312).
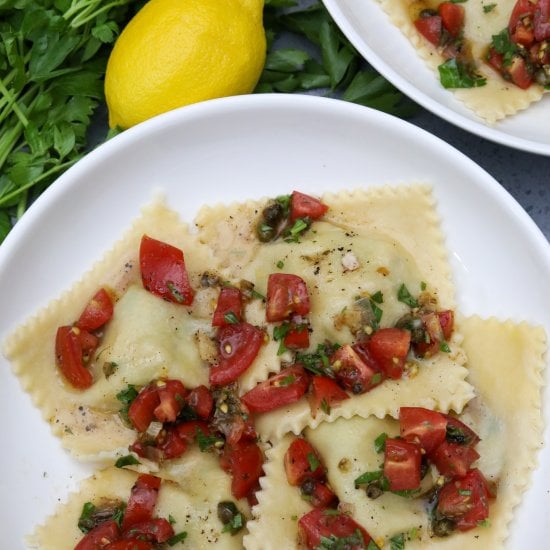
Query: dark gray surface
point(525, 176)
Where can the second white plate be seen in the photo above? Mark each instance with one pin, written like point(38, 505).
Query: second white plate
point(383, 45)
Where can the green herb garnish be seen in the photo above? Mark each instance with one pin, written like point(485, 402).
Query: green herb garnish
point(126, 397)
point(313, 461)
point(377, 297)
point(206, 442)
point(397, 542)
point(489, 8)
point(279, 333)
point(179, 537)
point(454, 74)
point(127, 460)
point(403, 295)
point(230, 318)
point(443, 346)
point(380, 442)
point(280, 264)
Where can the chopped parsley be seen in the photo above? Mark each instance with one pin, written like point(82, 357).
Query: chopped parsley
point(443, 346)
point(341, 543)
point(206, 442)
point(503, 45)
point(489, 8)
point(91, 516)
point(397, 542)
point(318, 361)
point(377, 297)
point(230, 318)
point(380, 442)
point(293, 233)
point(280, 264)
point(233, 520)
point(127, 460)
point(368, 477)
point(178, 537)
point(454, 74)
point(403, 295)
point(126, 397)
point(279, 333)
point(376, 378)
point(176, 294)
point(313, 461)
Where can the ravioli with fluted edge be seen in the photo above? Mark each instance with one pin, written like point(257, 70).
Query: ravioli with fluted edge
point(219, 365)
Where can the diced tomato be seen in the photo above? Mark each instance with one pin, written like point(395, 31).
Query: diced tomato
point(188, 430)
point(172, 397)
point(522, 9)
point(286, 295)
point(389, 348)
point(465, 500)
point(305, 206)
point(452, 17)
point(97, 312)
point(100, 536)
point(201, 401)
point(402, 460)
point(154, 530)
point(321, 495)
point(458, 432)
point(244, 461)
point(297, 336)
point(302, 461)
point(422, 426)
point(447, 323)
point(239, 345)
point(169, 443)
point(130, 544)
point(163, 271)
point(453, 460)
point(495, 59)
point(142, 501)
point(433, 333)
point(326, 523)
point(523, 35)
point(325, 393)
point(142, 409)
point(539, 54)
point(230, 302)
point(284, 388)
point(519, 72)
point(430, 28)
point(541, 20)
point(68, 355)
point(352, 370)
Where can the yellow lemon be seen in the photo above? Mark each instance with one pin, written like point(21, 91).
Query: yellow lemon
point(178, 52)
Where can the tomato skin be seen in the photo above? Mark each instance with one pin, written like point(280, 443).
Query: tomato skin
point(286, 295)
point(325, 393)
point(496, 60)
point(353, 372)
point(229, 301)
point(322, 496)
point(389, 348)
point(465, 500)
point(402, 464)
point(187, 431)
point(425, 427)
point(154, 530)
point(130, 544)
point(97, 312)
point(447, 323)
point(142, 409)
point(297, 462)
point(297, 336)
point(99, 536)
point(170, 444)
point(142, 501)
point(324, 522)
point(519, 72)
point(171, 395)
point(163, 271)
point(201, 401)
point(430, 28)
point(68, 355)
point(541, 20)
point(453, 460)
point(305, 206)
point(239, 344)
point(463, 434)
point(286, 387)
point(452, 17)
point(244, 461)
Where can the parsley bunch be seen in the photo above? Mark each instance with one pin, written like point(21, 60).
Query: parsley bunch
point(53, 55)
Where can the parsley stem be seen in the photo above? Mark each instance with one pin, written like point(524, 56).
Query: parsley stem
point(12, 102)
point(86, 11)
point(43, 176)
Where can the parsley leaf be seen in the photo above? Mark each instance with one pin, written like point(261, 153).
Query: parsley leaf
point(127, 460)
point(397, 542)
point(454, 74)
point(403, 295)
point(380, 442)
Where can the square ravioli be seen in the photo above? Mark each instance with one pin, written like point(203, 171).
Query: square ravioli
point(505, 414)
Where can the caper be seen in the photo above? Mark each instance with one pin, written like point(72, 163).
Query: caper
point(443, 527)
point(265, 232)
point(374, 490)
point(227, 511)
point(273, 213)
point(427, 12)
point(542, 76)
point(414, 325)
point(308, 487)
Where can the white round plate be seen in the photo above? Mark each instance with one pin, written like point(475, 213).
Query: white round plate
point(233, 149)
point(382, 44)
